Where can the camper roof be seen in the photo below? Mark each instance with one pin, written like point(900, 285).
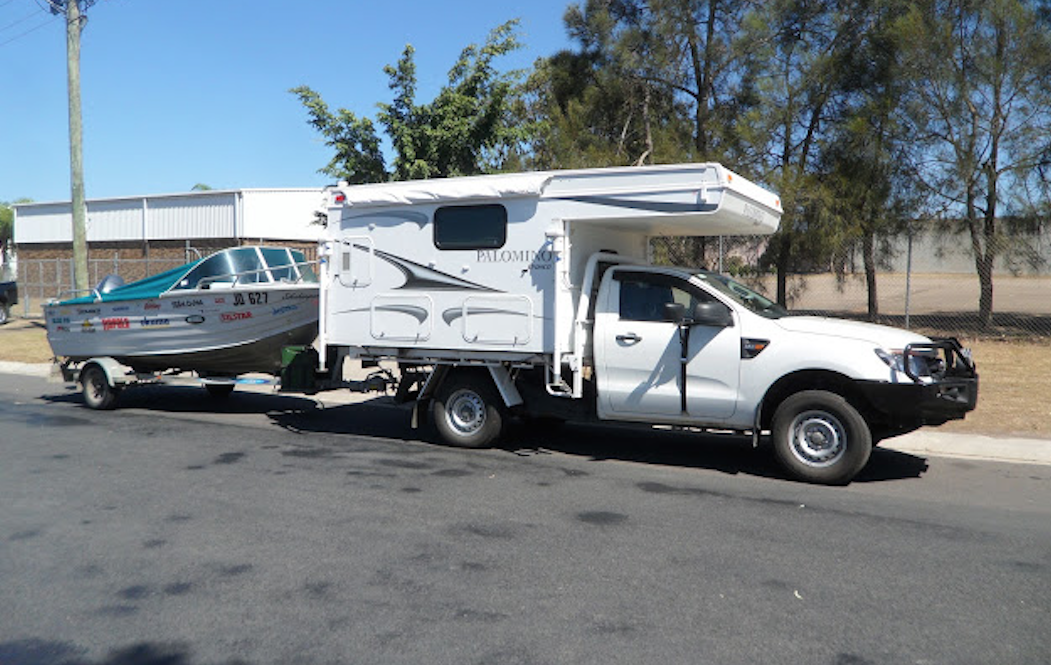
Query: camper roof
point(665, 199)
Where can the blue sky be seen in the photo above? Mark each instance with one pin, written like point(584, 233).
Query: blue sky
point(195, 91)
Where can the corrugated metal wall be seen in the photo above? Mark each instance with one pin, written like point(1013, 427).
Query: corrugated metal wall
point(268, 214)
point(199, 216)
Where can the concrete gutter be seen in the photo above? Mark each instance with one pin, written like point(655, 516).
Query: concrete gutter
point(924, 442)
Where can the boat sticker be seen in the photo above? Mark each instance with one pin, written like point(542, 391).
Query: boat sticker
point(122, 308)
point(61, 328)
point(59, 320)
point(298, 295)
point(278, 311)
point(221, 300)
point(191, 302)
point(195, 319)
point(116, 323)
point(252, 298)
point(151, 305)
point(87, 327)
point(227, 317)
point(154, 323)
point(88, 310)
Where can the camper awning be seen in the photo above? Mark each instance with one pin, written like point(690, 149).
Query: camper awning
point(446, 189)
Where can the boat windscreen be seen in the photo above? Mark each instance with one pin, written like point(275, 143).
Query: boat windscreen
point(248, 265)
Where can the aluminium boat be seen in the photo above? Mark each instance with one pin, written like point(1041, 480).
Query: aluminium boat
point(227, 314)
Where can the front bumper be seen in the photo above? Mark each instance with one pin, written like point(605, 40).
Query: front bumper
point(948, 397)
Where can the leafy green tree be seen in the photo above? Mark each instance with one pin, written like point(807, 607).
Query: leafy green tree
point(468, 128)
point(980, 104)
point(357, 157)
point(7, 221)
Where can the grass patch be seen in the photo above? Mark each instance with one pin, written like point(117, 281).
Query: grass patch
point(24, 341)
point(1012, 397)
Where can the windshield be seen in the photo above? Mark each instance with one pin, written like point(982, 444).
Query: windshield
point(756, 302)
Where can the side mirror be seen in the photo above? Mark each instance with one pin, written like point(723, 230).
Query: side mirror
point(712, 314)
point(674, 312)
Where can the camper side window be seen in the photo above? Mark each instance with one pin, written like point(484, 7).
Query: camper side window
point(470, 227)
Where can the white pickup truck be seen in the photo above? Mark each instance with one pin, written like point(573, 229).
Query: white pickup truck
point(531, 294)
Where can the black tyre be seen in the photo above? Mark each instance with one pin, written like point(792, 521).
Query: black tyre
point(820, 438)
point(98, 393)
point(5, 313)
point(219, 390)
point(468, 411)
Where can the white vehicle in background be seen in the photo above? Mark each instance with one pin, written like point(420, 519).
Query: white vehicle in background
point(532, 294)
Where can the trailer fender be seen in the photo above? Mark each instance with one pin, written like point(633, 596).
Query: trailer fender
point(117, 375)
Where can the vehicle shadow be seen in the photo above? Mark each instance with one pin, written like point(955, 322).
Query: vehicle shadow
point(727, 454)
point(195, 399)
point(380, 418)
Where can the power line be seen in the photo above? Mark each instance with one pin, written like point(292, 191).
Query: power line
point(21, 20)
point(34, 29)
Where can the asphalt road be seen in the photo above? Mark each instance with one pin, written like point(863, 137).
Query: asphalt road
point(265, 529)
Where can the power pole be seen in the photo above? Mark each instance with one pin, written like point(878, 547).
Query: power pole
point(74, 24)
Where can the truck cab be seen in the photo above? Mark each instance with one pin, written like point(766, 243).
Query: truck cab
point(699, 349)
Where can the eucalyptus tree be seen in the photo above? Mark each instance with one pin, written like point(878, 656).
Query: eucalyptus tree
point(980, 104)
point(802, 50)
point(866, 154)
point(594, 105)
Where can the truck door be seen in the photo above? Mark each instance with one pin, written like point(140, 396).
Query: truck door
point(638, 352)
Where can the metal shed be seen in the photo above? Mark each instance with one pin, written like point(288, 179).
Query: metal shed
point(135, 236)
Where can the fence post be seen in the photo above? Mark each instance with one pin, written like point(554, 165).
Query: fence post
point(908, 276)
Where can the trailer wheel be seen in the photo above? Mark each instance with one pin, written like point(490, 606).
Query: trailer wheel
point(5, 313)
point(98, 394)
point(820, 438)
point(468, 411)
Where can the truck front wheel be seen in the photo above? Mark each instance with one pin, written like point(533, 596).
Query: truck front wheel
point(820, 438)
point(468, 412)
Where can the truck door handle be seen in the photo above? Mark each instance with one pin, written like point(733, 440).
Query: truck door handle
point(630, 337)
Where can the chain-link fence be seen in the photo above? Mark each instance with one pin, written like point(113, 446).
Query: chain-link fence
point(932, 290)
point(41, 280)
point(44, 279)
point(922, 285)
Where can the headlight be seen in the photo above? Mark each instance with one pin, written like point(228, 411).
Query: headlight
point(895, 359)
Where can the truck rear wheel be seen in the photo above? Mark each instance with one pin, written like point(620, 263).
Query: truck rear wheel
point(820, 438)
point(98, 393)
point(468, 412)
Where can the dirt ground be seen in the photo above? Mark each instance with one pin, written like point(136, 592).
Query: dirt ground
point(1013, 396)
